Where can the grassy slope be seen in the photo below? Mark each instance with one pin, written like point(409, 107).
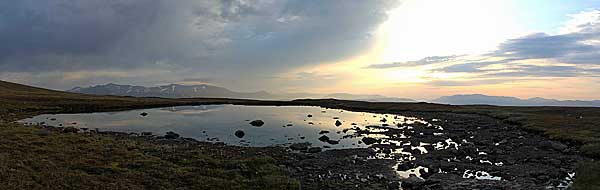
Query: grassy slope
point(35, 158)
point(579, 126)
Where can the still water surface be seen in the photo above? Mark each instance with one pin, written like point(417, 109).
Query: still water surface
point(218, 123)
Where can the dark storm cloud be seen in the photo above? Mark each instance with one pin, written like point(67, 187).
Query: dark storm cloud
point(424, 61)
point(209, 36)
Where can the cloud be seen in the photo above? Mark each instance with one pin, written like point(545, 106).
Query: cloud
point(575, 52)
point(474, 82)
point(540, 71)
point(228, 37)
point(580, 45)
point(420, 62)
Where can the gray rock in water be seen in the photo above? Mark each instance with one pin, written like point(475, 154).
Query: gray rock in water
point(333, 142)
point(257, 123)
point(300, 146)
point(338, 123)
point(239, 134)
point(171, 135)
point(144, 114)
point(324, 138)
point(323, 132)
point(369, 140)
point(309, 115)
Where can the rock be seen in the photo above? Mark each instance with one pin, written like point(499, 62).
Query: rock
point(146, 133)
point(324, 138)
point(369, 140)
point(406, 166)
point(553, 145)
point(383, 120)
point(171, 135)
point(309, 115)
point(257, 123)
point(424, 174)
point(314, 150)
point(70, 130)
point(144, 114)
point(323, 132)
point(338, 123)
point(412, 182)
point(300, 146)
point(333, 142)
point(289, 125)
point(239, 134)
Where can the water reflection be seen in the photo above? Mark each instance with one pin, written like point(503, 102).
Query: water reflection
point(282, 126)
point(307, 129)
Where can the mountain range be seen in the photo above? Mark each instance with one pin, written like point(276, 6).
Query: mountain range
point(210, 91)
point(480, 99)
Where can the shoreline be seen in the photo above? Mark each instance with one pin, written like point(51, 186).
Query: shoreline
point(574, 127)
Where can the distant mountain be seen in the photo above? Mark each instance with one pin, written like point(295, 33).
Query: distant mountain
point(480, 99)
point(170, 91)
point(209, 91)
point(367, 97)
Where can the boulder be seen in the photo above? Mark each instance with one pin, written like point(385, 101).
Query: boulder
point(338, 123)
point(257, 123)
point(239, 134)
point(333, 142)
point(144, 114)
point(171, 135)
point(324, 138)
point(323, 132)
point(369, 140)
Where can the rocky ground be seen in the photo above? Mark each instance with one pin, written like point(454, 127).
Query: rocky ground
point(515, 159)
point(482, 137)
point(460, 151)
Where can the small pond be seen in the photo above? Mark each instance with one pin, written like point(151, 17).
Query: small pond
point(282, 126)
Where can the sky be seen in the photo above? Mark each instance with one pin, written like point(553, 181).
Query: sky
point(419, 49)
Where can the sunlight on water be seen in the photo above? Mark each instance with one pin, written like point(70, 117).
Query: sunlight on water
point(218, 123)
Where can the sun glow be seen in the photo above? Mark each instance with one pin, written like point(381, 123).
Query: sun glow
point(421, 28)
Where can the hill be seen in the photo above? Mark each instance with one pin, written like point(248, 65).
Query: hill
point(480, 99)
